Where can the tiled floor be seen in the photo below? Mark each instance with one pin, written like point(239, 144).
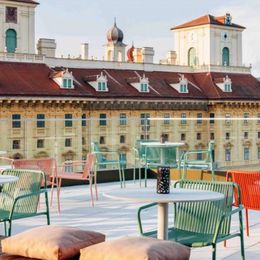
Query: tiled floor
point(118, 218)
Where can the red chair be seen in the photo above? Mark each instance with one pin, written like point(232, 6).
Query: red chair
point(47, 165)
point(81, 171)
point(249, 183)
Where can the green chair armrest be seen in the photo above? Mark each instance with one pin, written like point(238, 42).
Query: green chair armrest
point(229, 214)
point(139, 215)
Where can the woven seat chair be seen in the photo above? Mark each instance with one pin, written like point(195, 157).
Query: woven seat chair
point(20, 199)
point(249, 183)
point(199, 224)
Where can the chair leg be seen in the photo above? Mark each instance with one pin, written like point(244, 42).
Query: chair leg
point(91, 191)
point(95, 183)
point(47, 207)
point(134, 173)
point(59, 188)
point(145, 177)
point(214, 253)
point(241, 236)
point(9, 228)
point(140, 177)
point(5, 228)
point(247, 223)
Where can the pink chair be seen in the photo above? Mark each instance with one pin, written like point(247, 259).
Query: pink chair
point(48, 166)
point(81, 171)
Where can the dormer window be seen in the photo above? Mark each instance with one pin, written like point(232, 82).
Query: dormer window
point(144, 84)
point(225, 84)
point(181, 85)
point(183, 88)
point(63, 78)
point(101, 83)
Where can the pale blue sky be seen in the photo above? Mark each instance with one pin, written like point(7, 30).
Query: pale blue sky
point(146, 22)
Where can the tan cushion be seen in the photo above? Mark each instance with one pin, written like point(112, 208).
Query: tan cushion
point(137, 248)
point(50, 242)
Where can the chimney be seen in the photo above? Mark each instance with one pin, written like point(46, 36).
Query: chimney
point(46, 47)
point(137, 53)
point(84, 51)
point(171, 57)
point(148, 53)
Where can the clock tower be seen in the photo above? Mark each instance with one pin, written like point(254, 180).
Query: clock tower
point(17, 26)
point(209, 40)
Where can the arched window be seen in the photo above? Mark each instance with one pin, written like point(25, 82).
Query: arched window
point(192, 57)
point(225, 56)
point(10, 40)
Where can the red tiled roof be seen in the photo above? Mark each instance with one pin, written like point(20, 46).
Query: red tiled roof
point(28, 80)
point(24, 1)
point(207, 19)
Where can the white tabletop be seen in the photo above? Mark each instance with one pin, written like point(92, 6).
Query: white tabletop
point(7, 179)
point(147, 195)
point(159, 144)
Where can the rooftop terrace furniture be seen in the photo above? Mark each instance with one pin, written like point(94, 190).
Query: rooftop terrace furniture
point(108, 158)
point(206, 223)
point(48, 166)
point(81, 171)
point(249, 183)
point(20, 199)
point(198, 159)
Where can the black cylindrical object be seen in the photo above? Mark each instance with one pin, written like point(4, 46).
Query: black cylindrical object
point(163, 180)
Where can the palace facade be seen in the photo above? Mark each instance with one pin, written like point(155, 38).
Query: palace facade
point(55, 107)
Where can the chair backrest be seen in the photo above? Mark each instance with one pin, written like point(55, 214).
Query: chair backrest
point(141, 148)
point(88, 167)
point(202, 217)
point(249, 182)
point(29, 182)
point(96, 149)
point(47, 165)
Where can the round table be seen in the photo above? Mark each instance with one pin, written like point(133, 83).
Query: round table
point(8, 179)
point(149, 195)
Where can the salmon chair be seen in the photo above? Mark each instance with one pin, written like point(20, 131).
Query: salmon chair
point(80, 171)
point(249, 183)
point(47, 165)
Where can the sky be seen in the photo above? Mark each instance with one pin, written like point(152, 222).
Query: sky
point(144, 22)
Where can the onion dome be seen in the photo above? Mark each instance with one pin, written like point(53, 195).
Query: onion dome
point(115, 34)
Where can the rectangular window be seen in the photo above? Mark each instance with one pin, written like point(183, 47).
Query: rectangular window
point(211, 118)
point(199, 156)
point(245, 135)
point(145, 119)
point(68, 142)
point(227, 136)
point(16, 144)
point(102, 119)
point(40, 143)
point(166, 117)
point(246, 116)
point(122, 119)
point(198, 136)
point(183, 118)
point(199, 118)
point(212, 136)
point(83, 141)
point(40, 120)
point(102, 140)
point(16, 120)
point(67, 83)
point(258, 118)
point(83, 120)
point(246, 153)
point(122, 139)
point(227, 120)
point(144, 87)
point(258, 135)
point(145, 137)
point(227, 155)
point(258, 152)
point(68, 120)
point(183, 137)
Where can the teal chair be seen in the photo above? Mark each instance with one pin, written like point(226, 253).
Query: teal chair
point(101, 161)
point(197, 159)
point(199, 224)
point(20, 199)
point(140, 158)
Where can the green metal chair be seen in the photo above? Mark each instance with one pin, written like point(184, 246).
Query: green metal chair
point(140, 158)
point(205, 162)
point(20, 199)
point(199, 224)
point(101, 161)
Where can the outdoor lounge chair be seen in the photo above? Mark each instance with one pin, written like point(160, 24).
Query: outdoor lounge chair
point(206, 223)
point(20, 199)
point(249, 183)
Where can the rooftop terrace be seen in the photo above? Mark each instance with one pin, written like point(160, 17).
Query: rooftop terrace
point(118, 218)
